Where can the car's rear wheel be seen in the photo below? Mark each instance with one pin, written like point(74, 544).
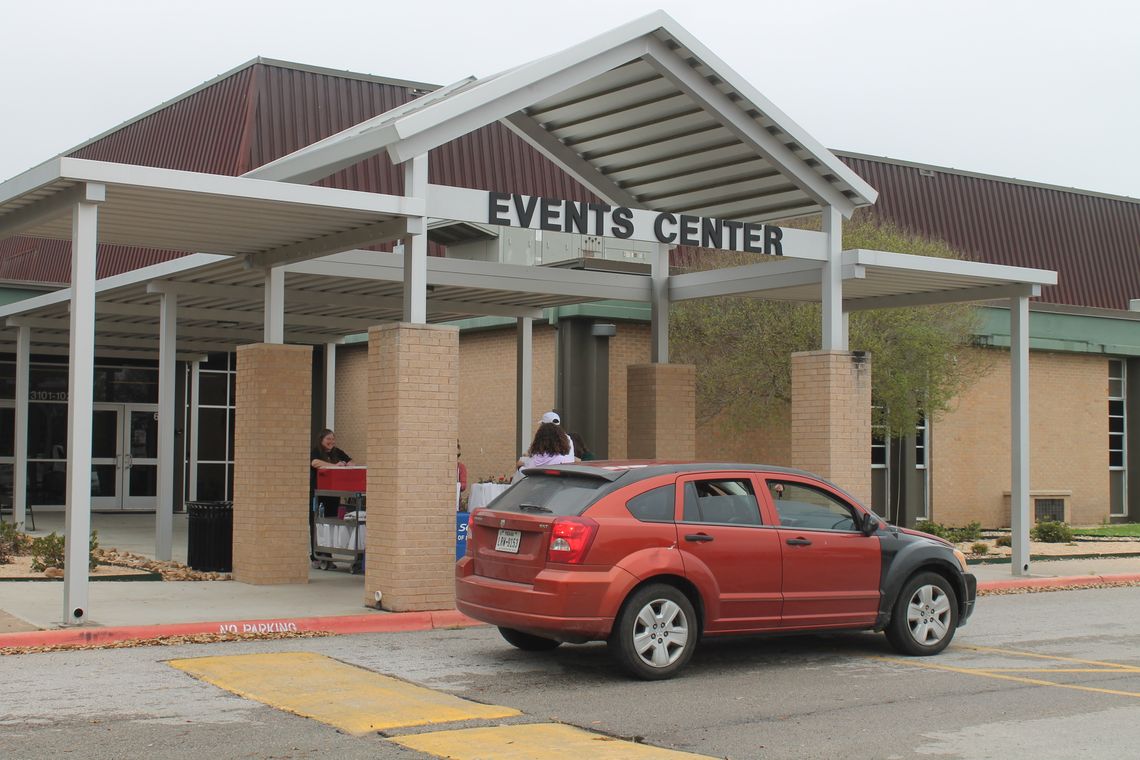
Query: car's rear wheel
point(925, 616)
point(528, 642)
point(655, 633)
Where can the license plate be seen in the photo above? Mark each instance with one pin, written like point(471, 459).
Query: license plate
point(508, 541)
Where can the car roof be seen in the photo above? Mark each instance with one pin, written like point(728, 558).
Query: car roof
point(632, 470)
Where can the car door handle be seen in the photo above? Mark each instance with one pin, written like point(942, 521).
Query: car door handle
point(699, 537)
point(798, 542)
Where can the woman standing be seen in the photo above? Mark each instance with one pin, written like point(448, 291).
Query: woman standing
point(324, 454)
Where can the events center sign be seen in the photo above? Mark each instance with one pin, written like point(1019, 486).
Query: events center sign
point(606, 220)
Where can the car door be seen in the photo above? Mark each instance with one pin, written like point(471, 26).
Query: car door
point(830, 568)
point(728, 551)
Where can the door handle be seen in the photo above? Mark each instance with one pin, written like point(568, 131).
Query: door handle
point(700, 538)
point(128, 462)
point(798, 542)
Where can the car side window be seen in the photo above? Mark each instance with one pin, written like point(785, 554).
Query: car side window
point(653, 506)
point(729, 501)
point(802, 506)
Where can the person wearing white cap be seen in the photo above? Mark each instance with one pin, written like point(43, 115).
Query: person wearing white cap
point(552, 417)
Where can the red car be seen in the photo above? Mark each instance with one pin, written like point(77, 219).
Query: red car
point(652, 556)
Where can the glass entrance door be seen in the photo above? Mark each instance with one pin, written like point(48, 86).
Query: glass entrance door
point(124, 456)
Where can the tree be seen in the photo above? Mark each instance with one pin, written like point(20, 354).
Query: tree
point(742, 346)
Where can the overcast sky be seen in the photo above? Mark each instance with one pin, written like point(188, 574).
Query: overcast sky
point(1046, 91)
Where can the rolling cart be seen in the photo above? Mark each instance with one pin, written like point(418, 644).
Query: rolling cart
point(339, 517)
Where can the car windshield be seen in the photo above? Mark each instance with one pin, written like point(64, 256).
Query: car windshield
point(558, 494)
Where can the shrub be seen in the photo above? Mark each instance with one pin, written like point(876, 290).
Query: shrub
point(1004, 541)
point(933, 528)
point(980, 547)
point(48, 551)
point(971, 532)
point(1051, 532)
point(12, 542)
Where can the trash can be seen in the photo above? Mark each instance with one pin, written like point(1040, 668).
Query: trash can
point(210, 536)
point(460, 535)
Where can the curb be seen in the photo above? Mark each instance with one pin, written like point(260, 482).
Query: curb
point(392, 622)
point(1058, 582)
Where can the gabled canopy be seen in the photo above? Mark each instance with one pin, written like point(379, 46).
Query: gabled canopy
point(644, 115)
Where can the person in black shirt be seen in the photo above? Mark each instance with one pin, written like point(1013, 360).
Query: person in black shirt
point(324, 454)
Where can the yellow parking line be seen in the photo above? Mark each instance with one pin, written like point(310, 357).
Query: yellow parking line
point(1055, 658)
point(1058, 670)
point(1002, 677)
point(353, 699)
point(534, 741)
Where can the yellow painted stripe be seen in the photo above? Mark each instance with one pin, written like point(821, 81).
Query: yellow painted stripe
point(1002, 677)
point(352, 699)
point(1058, 670)
point(548, 741)
point(1055, 658)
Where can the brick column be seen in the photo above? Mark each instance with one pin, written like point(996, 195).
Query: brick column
point(831, 418)
point(661, 411)
point(271, 463)
point(413, 423)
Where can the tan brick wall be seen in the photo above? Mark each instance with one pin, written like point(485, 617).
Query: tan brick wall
point(831, 419)
point(487, 393)
point(351, 401)
point(271, 473)
point(630, 346)
point(1068, 433)
point(720, 440)
point(661, 404)
point(413, 421)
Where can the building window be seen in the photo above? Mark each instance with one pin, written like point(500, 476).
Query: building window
point(212, 438)
point(1117, 441)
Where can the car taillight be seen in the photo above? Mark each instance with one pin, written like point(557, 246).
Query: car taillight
point(570, 539)
point(467, 548)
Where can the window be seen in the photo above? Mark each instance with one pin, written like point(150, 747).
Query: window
point(724, 502)
point(653, 506)
point(212, 435)
point(1117, 440)
point(802, 506)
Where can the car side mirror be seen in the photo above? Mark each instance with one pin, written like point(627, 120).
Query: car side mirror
point(869, 524)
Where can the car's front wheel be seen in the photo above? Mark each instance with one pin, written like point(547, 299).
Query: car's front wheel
point(655, 633)
point(528, 642)
point(925, 616)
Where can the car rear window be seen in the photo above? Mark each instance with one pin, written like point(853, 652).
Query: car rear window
point(561, 494)
point(653, 506)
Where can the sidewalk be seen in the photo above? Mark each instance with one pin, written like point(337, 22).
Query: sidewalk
point(332, 601)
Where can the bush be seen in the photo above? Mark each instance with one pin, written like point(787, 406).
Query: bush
point(980, 547)
point(933, 528)
point(48, 551)
point(12, 542)
point(1004, 541)
point(1051, 532)
point(971, 532)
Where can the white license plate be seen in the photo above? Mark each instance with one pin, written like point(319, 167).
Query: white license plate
point(508, 541)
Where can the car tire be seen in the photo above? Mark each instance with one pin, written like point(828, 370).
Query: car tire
point(528, 642)
point(655, 632)
point(925, 616)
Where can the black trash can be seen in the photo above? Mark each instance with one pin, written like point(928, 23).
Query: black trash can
point(210, 536)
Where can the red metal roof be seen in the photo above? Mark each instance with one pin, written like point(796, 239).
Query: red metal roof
point(1091, 240)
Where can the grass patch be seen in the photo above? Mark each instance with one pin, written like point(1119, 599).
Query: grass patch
point(1123, 530)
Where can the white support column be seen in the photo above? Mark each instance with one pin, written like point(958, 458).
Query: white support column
point(80, 393)
point(330, 386)
point(193, 492)
point(1020, 519)
point(20, 465)
point(416, 244)
point(275, 305)
point(831, 295)
point(659, 306)
point(168, 343)
point(524, 399)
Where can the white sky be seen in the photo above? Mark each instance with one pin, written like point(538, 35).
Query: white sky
point(1045, 90)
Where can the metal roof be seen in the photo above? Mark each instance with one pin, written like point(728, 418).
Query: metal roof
point(644, 116)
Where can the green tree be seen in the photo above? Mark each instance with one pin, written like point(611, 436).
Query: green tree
point(742, 346)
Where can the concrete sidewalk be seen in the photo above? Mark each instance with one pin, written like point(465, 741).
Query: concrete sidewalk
point(331, 601)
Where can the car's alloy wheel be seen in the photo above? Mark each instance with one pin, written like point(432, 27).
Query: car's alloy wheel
point(655, 633)
point(925, 616)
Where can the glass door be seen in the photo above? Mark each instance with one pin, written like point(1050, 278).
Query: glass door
point(140, 457)
point(106, 456)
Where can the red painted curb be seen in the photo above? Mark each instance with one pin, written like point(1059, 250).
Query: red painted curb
point(391, 622)
point(1059, 582)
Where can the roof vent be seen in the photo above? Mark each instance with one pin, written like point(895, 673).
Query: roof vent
point(1134, 304)
point(926, 172)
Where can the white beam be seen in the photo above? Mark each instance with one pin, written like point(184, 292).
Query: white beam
point(80, 386)
point(953, 295)
point(164, 510)
point(243, 316)
point(274, 306)
point(416, 244)
point(1020, 515)
point(659, 305)
point(38, 212)
point(831, 295)
point(330, 386)
point(524, 387)
point(747, 279)
point(20, 465)
point(380, 232)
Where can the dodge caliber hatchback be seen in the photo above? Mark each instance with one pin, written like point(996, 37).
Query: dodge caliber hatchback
point(650, 557)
